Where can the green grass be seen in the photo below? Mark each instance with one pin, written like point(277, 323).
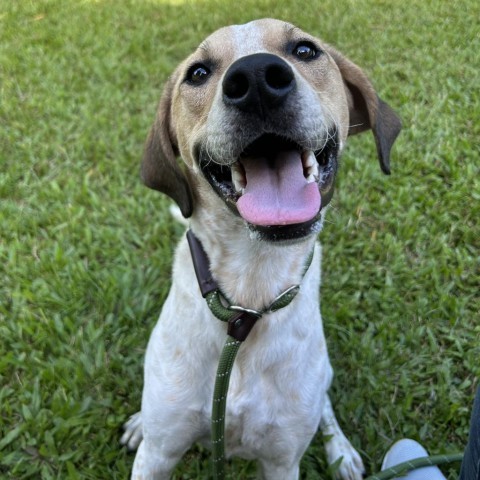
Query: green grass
point(85, 249)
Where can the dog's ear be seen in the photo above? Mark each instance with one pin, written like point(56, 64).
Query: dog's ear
point(160, 169)
point(367, 110)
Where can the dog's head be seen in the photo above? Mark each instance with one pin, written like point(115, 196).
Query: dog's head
point(260, 114)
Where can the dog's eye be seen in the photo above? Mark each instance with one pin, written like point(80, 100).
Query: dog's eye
point(305, 51)
point(197, 74)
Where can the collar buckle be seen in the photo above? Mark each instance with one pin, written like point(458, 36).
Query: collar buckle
point(240, 324)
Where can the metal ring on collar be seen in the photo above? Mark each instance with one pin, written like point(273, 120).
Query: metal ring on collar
point(283, 299)
point(237, 308)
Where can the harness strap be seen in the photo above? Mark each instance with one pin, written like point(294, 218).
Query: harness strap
point(222, 380)
point(240, 323)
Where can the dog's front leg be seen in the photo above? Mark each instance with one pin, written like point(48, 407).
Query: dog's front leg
point(156, 458)
point(337, 446)
point(152, 462)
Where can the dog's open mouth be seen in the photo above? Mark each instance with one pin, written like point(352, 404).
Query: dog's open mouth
point(275, 182)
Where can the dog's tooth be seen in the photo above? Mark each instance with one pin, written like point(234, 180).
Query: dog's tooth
point(238, 177)
point(313, 170)
point(310, 166)
point(238, 181)
point(309, 159)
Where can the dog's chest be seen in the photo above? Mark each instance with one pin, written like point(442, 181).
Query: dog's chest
point(266, 407)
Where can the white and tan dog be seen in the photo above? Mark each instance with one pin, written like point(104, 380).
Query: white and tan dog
point(259, 113)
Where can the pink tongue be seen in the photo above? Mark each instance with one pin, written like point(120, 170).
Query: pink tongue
point(278, 194)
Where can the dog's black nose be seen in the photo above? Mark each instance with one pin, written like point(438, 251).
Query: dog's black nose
point(258, 82)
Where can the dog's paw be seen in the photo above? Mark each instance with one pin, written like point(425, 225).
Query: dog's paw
point(133, 433)
point(340, 450)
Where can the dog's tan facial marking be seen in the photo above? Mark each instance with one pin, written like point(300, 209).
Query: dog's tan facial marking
point(256, 97)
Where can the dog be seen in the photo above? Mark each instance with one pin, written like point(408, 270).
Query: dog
point(259, 115)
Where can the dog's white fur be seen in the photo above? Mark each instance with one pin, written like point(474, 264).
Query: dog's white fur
point(278, 391)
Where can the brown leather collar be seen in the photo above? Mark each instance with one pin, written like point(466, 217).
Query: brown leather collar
point(201, 264)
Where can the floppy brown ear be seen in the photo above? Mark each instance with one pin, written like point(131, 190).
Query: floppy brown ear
point(367, 110)
point(160, 169)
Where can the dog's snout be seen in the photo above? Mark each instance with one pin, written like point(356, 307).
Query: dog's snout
point(258, 82)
